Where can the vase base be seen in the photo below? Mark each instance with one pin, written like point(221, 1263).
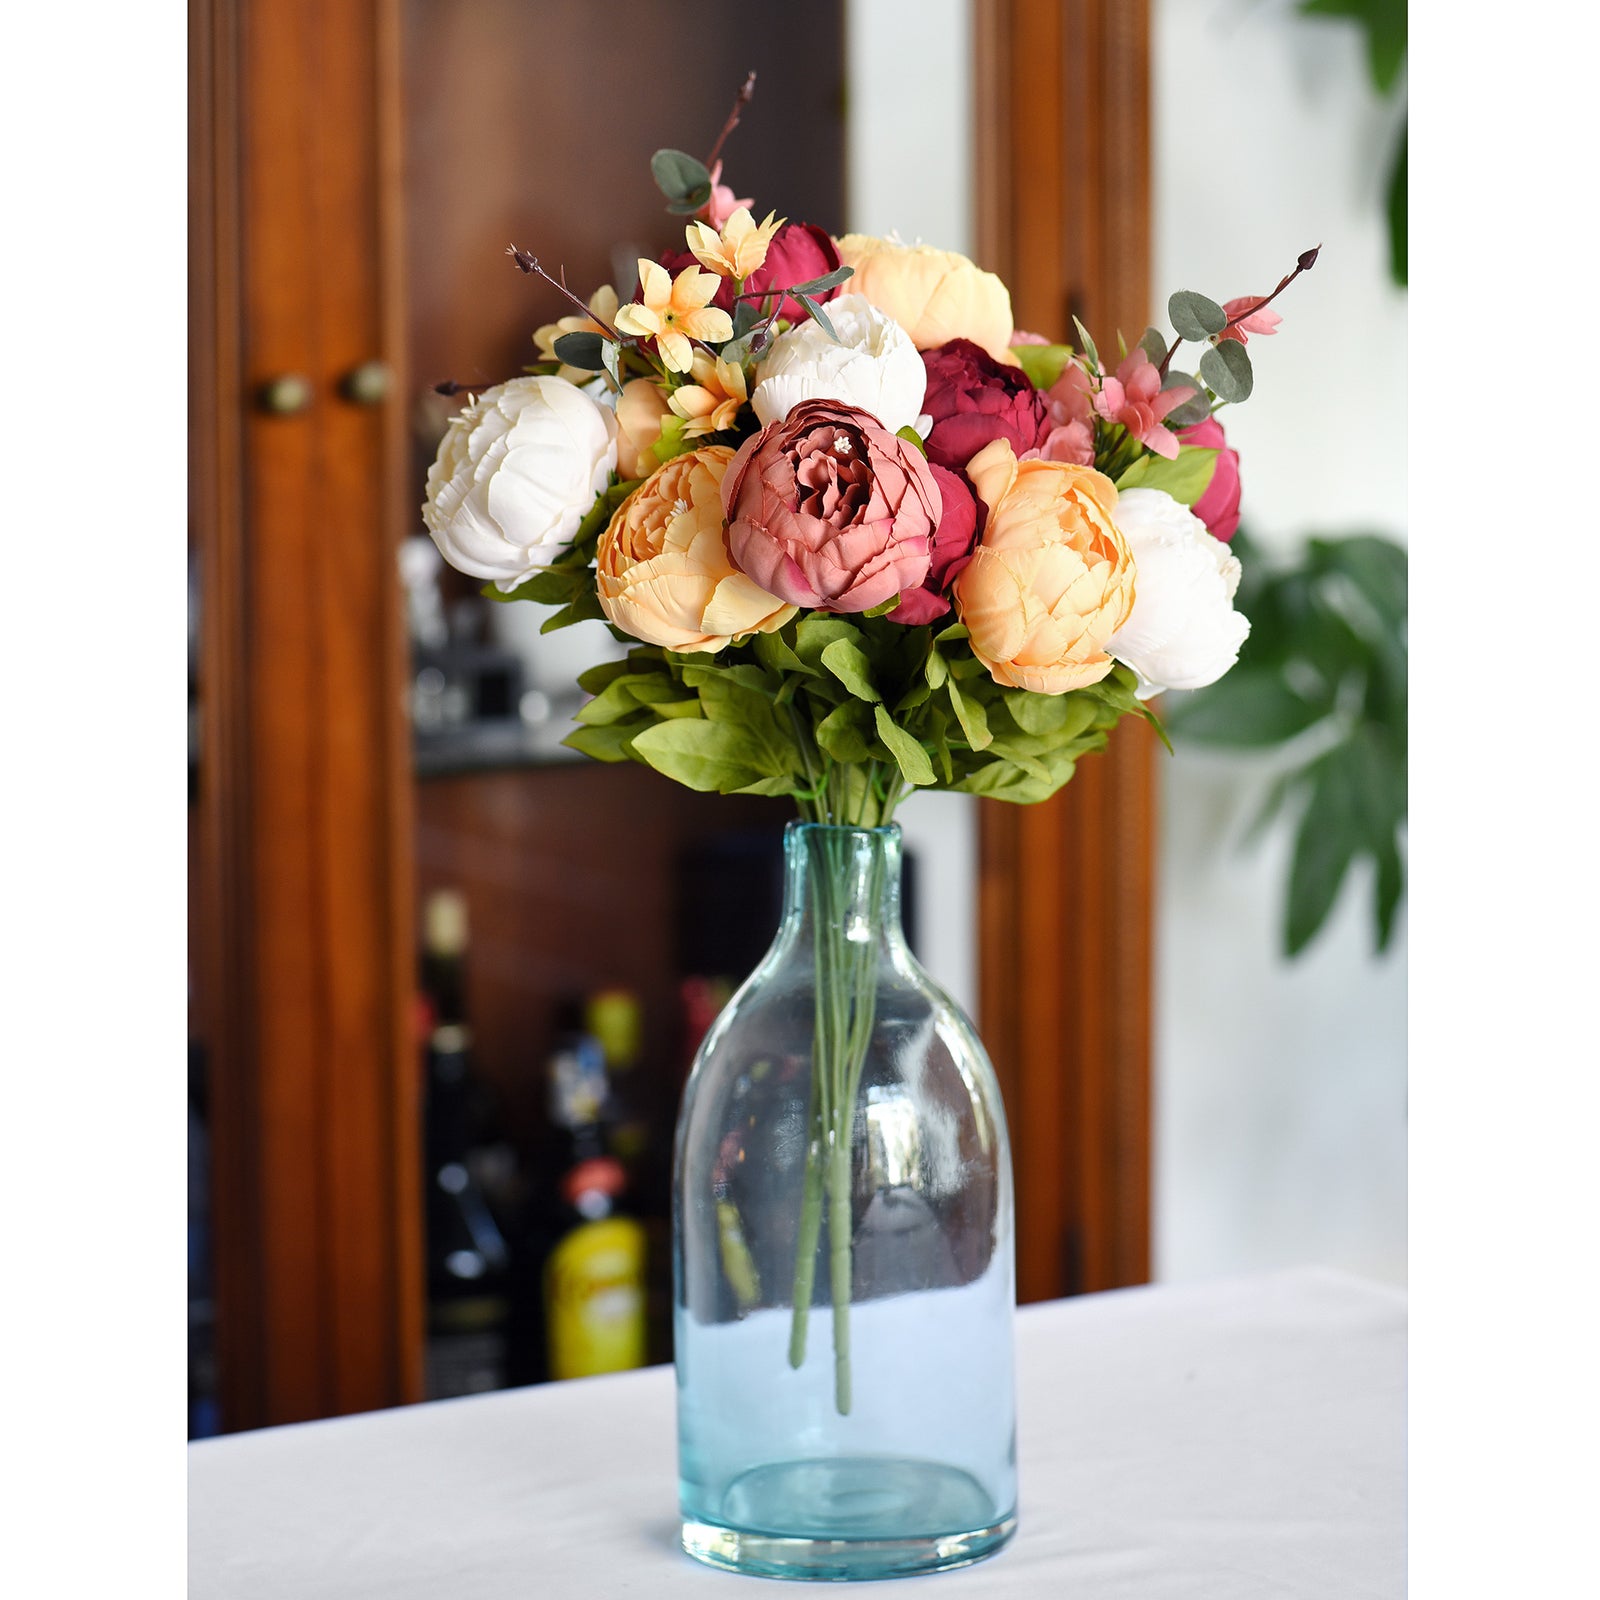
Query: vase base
point(849, 1519)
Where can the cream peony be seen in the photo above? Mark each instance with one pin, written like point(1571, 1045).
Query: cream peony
point(662, 569)
point(935, 295)
point(516, 473)
point(1051, 580)
point(1183, 632)
point(873, 365)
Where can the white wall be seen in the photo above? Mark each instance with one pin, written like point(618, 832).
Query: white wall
point(909, 169)
point(1280, 1087)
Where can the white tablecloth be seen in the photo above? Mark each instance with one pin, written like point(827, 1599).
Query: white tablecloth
point(1233, 1441)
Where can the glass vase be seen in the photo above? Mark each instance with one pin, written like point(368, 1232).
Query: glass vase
point(842, 1251)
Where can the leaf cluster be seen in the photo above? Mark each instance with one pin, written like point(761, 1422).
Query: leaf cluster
point(1324, 668)
point(847, 715)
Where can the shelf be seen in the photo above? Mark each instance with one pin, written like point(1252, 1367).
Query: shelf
point(500, 746)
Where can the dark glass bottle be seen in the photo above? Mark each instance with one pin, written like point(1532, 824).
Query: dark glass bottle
point(468, 1263)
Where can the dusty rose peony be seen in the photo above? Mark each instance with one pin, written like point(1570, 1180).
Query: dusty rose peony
point(959, 524)
point(828, 509)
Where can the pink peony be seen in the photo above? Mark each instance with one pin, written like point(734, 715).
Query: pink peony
point(1070, 404)
point(960, 523)
point(1262, 322)
point(722, 203)
point(972, 399)
point(1135, 399)
point(828, 509)
point(1218, 507)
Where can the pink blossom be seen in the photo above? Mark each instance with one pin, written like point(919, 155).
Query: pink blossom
point(1070, 403)
point(1136, 399)
point(1262, 321)
point(722, 203)
point(1019, 336)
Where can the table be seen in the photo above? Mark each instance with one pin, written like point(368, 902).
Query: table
point(1242, 1440)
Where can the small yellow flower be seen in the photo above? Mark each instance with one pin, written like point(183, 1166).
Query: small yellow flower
point(603, 303)
point(741, 248)
point(712, 401)
point(674, 311)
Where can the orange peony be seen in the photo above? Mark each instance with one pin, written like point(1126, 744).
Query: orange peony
point(663, 571)
point(935, 295)
point(1052, 578)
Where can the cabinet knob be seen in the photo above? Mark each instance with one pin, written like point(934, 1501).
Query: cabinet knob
point(285, 395)
point(370, 384)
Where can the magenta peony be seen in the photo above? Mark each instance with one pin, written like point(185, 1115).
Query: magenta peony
point(960, 522)
point(1218, 507)
point(973, 399)
point(828, 509)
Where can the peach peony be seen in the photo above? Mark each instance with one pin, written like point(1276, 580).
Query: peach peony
point(663, 571)
point(1052, 577)
point(640, 408)
point(935, 295)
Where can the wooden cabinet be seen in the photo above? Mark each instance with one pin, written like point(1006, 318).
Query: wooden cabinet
point(358, 167)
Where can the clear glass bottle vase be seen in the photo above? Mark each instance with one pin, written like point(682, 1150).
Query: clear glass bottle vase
point(842, 1251)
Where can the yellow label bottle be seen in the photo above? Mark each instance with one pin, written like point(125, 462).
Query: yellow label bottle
point(594, 1282)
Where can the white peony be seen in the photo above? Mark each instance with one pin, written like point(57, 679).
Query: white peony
point(516, 473)
point(1183, 632)
point(874, 365)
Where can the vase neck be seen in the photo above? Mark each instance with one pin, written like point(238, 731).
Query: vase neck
point(847, 879)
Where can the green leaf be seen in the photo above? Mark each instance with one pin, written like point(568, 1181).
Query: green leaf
point(1194, 317)
point(849, 664)
point(595, 678)
point(909, 756)
point(1375, 566)
point(610, 743)
point(1226, 368)
point(1385, 25)
point(584, 608)
point(1249, 707)
point(672, 441)
point(707, 756)
point(584, 350)
point(843, 733)
point(1396, 209)
point(911, 437)
point(970, 714)
point(1154, 345)
point(1325, 844)
point(680, 177)
point(1062, 716)
point(813, 634)
point(776, 656)
point(1043, 363)
point(1086, 344)
point(956, 632)
point(615, 701)
point(884, 607)
point(829, 280)
point(935, 669)
point(818, 315)
point(555, 586)
point(1185, 479)
point(1388, 892)
point(771, 786)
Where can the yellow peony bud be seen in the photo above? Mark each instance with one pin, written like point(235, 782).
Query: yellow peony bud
point(1052, 578)
point(663, 570)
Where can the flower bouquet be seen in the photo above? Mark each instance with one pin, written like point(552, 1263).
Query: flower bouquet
point(865, 537)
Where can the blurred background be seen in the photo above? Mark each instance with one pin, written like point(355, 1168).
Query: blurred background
point(446, 977)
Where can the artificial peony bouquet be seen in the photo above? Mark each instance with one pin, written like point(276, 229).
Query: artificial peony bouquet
point(867, 535)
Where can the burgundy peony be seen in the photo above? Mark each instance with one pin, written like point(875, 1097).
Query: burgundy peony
point(799, 252)
point(973, 399)
point(828, 509)
point(1218, 507)
point(960, 523)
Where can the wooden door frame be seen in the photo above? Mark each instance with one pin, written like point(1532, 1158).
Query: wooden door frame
point(1065, 888)
point(303, 957)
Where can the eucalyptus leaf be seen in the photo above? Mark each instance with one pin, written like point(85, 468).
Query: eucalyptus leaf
point(1195, 409)
point(1226, 368)
point(1154, 345)
point(818, 315)
point(678, 175)
point(1194, 317)
point(584, 350)
point(829, 280)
